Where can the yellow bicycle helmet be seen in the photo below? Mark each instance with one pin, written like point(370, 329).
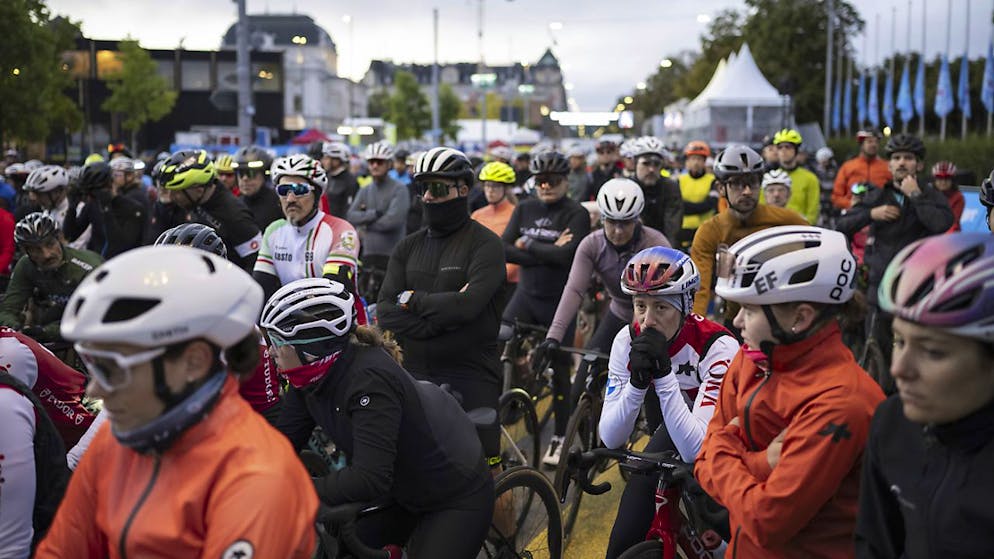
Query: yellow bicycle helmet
point(187, 169)
point(787, 136)
point(223, 164)
point(497, 171)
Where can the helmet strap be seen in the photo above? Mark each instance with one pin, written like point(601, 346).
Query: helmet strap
point(793, 337)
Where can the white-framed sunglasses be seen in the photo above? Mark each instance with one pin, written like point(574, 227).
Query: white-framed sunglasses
point(112, 370)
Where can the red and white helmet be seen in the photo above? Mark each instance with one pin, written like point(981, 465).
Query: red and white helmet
point(299, 165)
point(944, 170)
point(662, 271)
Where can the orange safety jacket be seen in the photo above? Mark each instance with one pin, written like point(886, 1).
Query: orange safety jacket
point(230, 486)
point(806, 505)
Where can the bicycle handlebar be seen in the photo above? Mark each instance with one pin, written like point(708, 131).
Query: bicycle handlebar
point(579, 463)
point(344, 517)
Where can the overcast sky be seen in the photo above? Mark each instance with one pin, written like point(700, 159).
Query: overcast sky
point(605, 46)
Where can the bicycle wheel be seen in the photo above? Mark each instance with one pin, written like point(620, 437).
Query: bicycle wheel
point(650, 549)
point(581, 434)
point(526, 518)
point(876, 365)
point(520, 441)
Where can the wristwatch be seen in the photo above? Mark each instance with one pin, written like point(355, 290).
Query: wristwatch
point(404, 299)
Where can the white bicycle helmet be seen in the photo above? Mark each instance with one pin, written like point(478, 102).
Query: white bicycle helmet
point(787, 264)
point(155, 296)
point(309, 308)
point(776, 176)
point(336, 150)
point(378, 150)
point(123, 164)
point(15, 169)
point(47, 179)
point(824, 154)
point(628, 147)
point(445, 163)
point(503, 153)
point(32, 164)
point(299, 165)
point(620, 199)
point(649, 145)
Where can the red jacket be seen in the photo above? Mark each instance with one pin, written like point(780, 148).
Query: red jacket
point(230, 486)
point(806, 505)
point(858, 169)
point(7, 246)
point(956, 203)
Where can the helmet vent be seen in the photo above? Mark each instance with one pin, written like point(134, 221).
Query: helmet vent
point(963, 259)
point(924, 289)
point(100, 276)
point(79, 303)
point(960, 302)
point(127, 308)
point(804, 275)
point(210, 265)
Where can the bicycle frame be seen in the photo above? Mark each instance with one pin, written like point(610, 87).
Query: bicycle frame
point(669, 527)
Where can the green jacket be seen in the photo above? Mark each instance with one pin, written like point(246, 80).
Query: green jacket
point(49, 290)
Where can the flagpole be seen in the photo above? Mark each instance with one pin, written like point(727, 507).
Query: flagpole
point(828, 68)
point(840, 77)
point(966, 54)
point(849, 99)
point(990, 38)
point(921, 60)
point(949, 32)
point(907, 63)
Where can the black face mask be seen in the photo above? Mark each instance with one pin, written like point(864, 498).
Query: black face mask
point(444, 218)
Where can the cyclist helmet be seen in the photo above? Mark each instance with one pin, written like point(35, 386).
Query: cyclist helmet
point(649, 145)
point(987, 191)
point(776, 176)
point(502, 153)
point(336, 150)
point(302, 166)
point(698, 147)
point(443, 162)
point(498, 171)
point(32, 164)
point(788, 136)
point(662, 271)
point(196, 235)
point(378, 150)
point(34, 228)
point(549, 162)
point(93, 158)
point(47, 179)
point(95, 176)
point(620, 199)
point(187, 169)
point(15, 169)
point(253, 158)
point(627, 148)
point(123, 164)
point(906, 143)
point(73, 174)
point(315, 315)
point(737, 161)
point(824, 154)
point(867, 133)
point(944, 170)
point(156, 296)
point(787, 264)
point(224, 163)
point(401, 155)
point(945, 281)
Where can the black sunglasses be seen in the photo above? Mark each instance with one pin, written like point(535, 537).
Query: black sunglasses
point(437, 189)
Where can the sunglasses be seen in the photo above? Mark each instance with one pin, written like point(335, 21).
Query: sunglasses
point(248, 173)
point(112, 370)
point(551, 180)
point(298, 189)
point(738, 185)
point(437, 189)
point(651, 162)
point(277, 341)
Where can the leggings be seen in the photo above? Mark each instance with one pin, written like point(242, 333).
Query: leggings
point(455, 532)
point(638, 502)
point(534, 310)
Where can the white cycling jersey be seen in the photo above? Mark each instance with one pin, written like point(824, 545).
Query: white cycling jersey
point(17, 474)
point(292, 252)
point(700, 356)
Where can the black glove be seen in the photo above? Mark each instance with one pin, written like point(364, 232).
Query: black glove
point(648, 358)
point(545, 349)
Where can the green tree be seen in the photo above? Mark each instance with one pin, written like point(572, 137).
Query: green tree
point(32, 78)
point(408, 107)
point(376, 106)
point(449, 107)
point(138, 92)
point(724, 36)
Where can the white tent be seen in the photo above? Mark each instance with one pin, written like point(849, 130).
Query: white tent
point(738, 105)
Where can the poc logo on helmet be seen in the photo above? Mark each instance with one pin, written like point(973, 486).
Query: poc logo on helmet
point(843, 280)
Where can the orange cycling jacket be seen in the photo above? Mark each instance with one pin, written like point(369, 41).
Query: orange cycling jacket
point(230, 486)
point(858, 169)
point(806, 505)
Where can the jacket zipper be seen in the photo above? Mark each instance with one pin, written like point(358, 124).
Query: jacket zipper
point(946, 466)
point(745, 423)
point(141, 501)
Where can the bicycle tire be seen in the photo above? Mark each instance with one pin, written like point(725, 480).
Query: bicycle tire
point(649, 549)
point(528, 528)
point(519, 422)
point(581, 433)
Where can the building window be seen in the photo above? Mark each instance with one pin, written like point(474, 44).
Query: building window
point(195, 75)
point(165, 68)
point(227, 76)
point(267, 77)
point(108, 63)
point(298, 104)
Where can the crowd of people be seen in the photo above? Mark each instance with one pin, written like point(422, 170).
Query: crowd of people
point(170, 340)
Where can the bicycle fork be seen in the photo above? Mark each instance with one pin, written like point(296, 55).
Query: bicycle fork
point(672, 531)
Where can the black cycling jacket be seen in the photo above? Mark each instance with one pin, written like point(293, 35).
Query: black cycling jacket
point(545, 266)
point(446, 329)
point(402, 438)
point(234, 224)
point(264, 206)
point(926, 490)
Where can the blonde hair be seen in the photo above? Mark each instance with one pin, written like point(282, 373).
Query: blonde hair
point(370, 336)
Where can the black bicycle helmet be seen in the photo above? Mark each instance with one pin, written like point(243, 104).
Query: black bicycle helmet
point(196, 235)
point(549, 162)
point(34, 228)
point(443, 162)
point(987, 191)
point(254, 158)
point(95, 176)
point(906, 143)
point(737, 161)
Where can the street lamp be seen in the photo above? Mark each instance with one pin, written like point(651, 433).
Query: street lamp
point(629, 99)
point(483, 81)
point(665, 63)
point(640, 86)
point(526, 90)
